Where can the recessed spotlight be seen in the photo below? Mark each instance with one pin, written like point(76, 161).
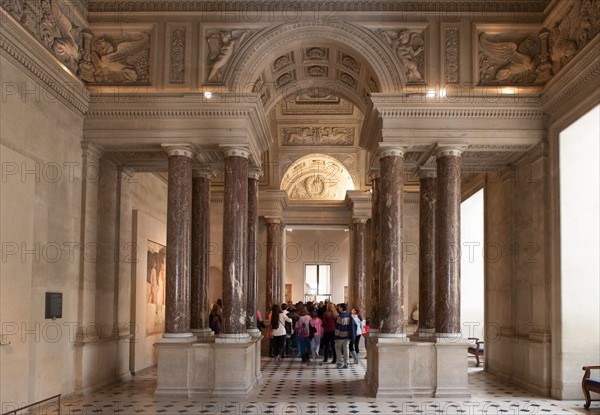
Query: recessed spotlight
point(207, 94)
point(443, 92)
point(509, 90)
point(431, 93)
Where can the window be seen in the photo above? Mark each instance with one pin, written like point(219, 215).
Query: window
point(317, 282)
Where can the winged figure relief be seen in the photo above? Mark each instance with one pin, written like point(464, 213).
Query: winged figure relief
point(66, 44)
point(409, 48)
point(123, 61)
point(506, 61)
point(222, 46)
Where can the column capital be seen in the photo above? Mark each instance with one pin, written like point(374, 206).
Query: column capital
point(204, 171)
point(427, 172)
point(254, 172)
point(394, 150)
point(272, 219)
point(446, 150)
point(236, 152)
point(181, 149)
point(92, 151)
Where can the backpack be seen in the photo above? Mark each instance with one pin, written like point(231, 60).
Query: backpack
point(304, 330)
point(313, 330)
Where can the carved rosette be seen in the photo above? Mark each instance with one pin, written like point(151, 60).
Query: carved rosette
point(451, 55)
point(177, 55)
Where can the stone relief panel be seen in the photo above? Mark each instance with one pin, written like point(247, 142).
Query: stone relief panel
point(221, 47)
point(317, 136)
point(347, 79)
point(509, 58)
point(317, 177)
point(408, 46)
point(120, 58)
point(316, 71)
point(285, 79)
point(567, 35)
point(316, 54)
point(51, 22)
point(319, 100)
point(177, 54)
point(451, 55)
point(348, 63)
point(283, 62)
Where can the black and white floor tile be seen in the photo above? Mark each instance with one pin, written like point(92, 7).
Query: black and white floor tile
point(296, 388)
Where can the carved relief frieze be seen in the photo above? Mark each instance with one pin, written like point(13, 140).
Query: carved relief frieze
point(408, 45)
point(372, 85)
point(53, 24)
point(221, 47)
point(319, 100)
point(122, 58)
point(451, 55)
point(317, 136)
point(177, 55)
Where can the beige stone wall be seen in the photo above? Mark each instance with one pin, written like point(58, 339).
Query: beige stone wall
point(40, 230)
point(517, 331)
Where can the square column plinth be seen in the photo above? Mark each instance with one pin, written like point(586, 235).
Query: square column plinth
point(219, 367)
point(401, 368)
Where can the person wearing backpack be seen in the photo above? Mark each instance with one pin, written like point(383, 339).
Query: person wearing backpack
point(302, 329)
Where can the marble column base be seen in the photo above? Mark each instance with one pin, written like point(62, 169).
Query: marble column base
point(206, 368)
point(254, 332)
point(204, 334)
point(451, 363)
point(399, 368)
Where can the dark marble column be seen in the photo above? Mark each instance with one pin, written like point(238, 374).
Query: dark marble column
point(274, 253)
point(359, 264)
point(391, 162)
point(235, 229)
point(376, 254)
point(200, 249)
point(254, 174)
point(179, 236)
point(447, 241)
point(427, 252)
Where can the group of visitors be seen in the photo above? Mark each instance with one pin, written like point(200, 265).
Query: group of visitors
point(314, 330)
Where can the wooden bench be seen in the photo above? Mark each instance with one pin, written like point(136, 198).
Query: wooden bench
point(589, 384)
point(476, 349)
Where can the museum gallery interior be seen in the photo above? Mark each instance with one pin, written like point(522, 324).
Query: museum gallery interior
point(160, 155)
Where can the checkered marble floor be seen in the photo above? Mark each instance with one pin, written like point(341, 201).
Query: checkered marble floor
point(295, 388)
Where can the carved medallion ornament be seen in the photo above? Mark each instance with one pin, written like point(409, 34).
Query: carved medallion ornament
point(318, 136)
point(317, 177)
point(315, 54)
point(221, 47)
point(122, 59)
point(409, 48)
point(47, 21)
point(177, 55)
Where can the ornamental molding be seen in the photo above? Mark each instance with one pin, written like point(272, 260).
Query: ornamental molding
point(20, 46)
point(177, 39)
point(475, 136)
point(325, 8)
point(451, 43)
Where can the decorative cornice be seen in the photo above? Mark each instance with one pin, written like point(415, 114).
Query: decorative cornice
point(183, 150)
point(19, 45)
point(357, 6)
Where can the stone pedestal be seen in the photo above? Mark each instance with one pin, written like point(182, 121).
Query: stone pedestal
point(222, 367)
point(399, 368)
point(452, 368)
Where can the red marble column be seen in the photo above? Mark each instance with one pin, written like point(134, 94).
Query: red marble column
point(200, 249)
point(235, 224)
point(274, 253)
point(447, 241)
point(427, 252)
point(254, 174)
point(391, 162)
point(376, 255)
point(359, 264)
point(179, 236)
